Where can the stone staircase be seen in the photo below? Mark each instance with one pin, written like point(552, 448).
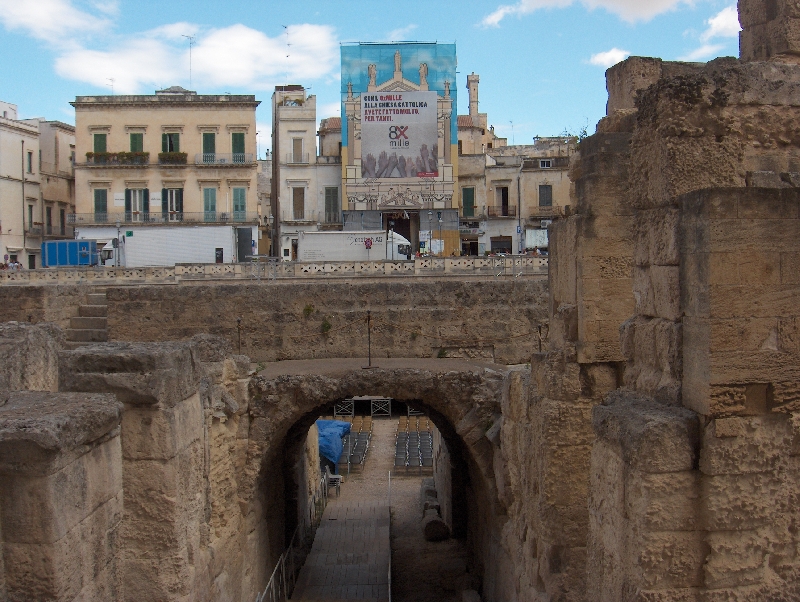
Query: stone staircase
point(91, 323)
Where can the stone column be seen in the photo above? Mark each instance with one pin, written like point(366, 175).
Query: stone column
point(60, 496)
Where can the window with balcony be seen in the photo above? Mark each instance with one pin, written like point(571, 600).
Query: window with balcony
point(209, 147)
point(99, 143)
point(30, 161)
point(545, 195)
point(297, 150)
point(298, 203)
point(137, 205)
point(48, 220)
point(468, 201)
point(100, 205)
point(137, 143)
point(62, 221)
point(240, 204)
point(331, 205)
point(30, 217)
point(502, 199)
point(237, 147)
point(172, 204)
point(170, 142)
point(210, 204)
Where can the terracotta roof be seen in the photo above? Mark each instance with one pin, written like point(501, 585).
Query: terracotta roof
point(331, 123)
point(465, 121)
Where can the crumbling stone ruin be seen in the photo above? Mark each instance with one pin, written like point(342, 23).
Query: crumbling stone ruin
point(648, 453)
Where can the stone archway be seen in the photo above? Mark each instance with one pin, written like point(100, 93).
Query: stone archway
point(463, 399)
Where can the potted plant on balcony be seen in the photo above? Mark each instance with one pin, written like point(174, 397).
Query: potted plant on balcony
point(172, 158)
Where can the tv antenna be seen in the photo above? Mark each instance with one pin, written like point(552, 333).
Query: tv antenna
point(191, 43)
point(512, 132)
point(288, 51)
point(112, 80)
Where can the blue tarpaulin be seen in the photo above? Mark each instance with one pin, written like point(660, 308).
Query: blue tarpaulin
point(330, 438)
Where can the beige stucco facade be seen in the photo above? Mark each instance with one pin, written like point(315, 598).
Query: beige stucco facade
point(186, 158)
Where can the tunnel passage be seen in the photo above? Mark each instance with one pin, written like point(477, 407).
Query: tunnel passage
point(462, 398)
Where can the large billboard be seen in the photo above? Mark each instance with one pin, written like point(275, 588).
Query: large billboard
point(399, 135)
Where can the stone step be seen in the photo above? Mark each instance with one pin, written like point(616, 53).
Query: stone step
point(93, 311)
point(87, 334)
point(96, 299)
point(92, 323)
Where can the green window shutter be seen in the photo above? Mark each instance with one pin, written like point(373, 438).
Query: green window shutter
point(176, 143)
point(146, 200)
point(239, 200)
point(100, 200)
point(137, 143)
point(179, 201)
point(164, 204)
point(209, 200)
point(127, 200)
point(164, 143)
point(468, 201)
point(209, 143)
point(99, 143)
point(545, 195)
point(237, 142)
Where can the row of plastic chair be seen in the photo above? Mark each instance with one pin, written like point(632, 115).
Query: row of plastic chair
point(413, 449)
point(415, 423)
point(359, 424)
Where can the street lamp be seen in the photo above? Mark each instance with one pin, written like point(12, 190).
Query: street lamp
point(441, 241)
point(430, 232)
point(116, 251)
point(391, 236)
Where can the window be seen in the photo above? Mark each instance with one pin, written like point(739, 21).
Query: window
point(544, 163)
point(100, 205)
point(48, 220)
point(239, 204)
point(210, 204)
point(502, 199)
point(30, 161)
point(298, 202)
point(237, 147)
point(331, 205)
point(30, 217)
point(545, 195)
point(172, 204)
point(170, 143)
point(209, 147)
point(99, 143)
point(460, 147)
point(297, 150)
point(468, 201)
point(137, 143)
point(62, 218)
point(137, 205)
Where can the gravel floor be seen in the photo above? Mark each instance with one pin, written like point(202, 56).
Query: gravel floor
point(422, 571)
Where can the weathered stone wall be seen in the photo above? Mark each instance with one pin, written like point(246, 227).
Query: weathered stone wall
point(495, 320)
point(54, 303)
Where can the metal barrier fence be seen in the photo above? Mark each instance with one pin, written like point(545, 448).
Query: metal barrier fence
point(283, 579)
point(495, 267)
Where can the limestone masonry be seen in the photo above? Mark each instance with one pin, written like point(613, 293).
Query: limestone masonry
point(627, 432)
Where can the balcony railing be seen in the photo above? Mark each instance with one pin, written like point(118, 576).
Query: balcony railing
point(223, 158)
point(172, 158)
point(59, 231)
point(120, 158)
point(502, 211)
point(546, 212)
point(297, 158)
point(329, 160)
point(169, 217)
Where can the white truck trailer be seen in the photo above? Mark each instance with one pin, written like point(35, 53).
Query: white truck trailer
point(351, 246)
point(142, 246)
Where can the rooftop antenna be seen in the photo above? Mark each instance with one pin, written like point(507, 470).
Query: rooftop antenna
point(512, 132)
point(112, 80)
point(288, 53)
point(191, 43)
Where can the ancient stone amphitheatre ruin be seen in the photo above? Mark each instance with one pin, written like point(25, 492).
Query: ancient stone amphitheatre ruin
point(648, 451)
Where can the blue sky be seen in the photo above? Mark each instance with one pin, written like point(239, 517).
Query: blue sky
point(541, 62)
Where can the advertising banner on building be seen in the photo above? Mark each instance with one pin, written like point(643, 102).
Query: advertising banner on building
point(399, 135)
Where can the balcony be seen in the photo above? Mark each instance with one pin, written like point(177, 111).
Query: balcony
point(59, 231)
point(223, 158)
point(115, 159)
point(502, 211)
point(546, 212)
point(329, 160)
point(297, 158)
point(168, 218)
point(172, 158)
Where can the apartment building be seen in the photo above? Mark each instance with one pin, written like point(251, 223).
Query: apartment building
point(174, 159)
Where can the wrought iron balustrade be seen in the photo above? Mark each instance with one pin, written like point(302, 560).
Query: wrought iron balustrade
point(163, 217)
point(223, 158)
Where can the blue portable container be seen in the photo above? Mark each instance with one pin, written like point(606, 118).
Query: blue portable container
point(58, 253)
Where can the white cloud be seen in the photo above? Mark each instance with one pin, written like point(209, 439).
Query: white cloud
point(725, 24)
point(235, 56)
point(401, 33)
point(627, 10)
point(50, 20)
point(706, 51)
point(609, 57)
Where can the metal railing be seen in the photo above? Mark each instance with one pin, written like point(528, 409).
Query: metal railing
point(283, 579)
point(60, 231)
point(300, 158)
point(502, 211)
point(159, 217)
point(223, 158)
point(546, 211)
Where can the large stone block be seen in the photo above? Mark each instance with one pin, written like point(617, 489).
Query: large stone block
point(160, 434)
point(137, 373)
point(30, 358)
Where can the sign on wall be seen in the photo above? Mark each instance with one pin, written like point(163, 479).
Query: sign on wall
point(399, 135)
